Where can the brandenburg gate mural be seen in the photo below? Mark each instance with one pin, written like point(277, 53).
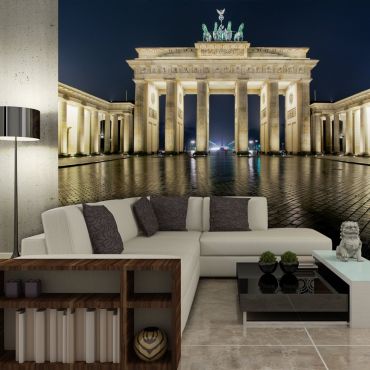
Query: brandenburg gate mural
point(223, 63)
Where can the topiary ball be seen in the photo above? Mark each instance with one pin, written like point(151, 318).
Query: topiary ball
point(150, 344)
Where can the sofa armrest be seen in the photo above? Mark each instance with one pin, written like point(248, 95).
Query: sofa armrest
point(34, 245)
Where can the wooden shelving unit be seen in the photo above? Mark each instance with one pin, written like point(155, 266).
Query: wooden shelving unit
point(63, 300)
point(127, 301)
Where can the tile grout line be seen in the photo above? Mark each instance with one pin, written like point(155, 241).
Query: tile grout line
point(247, 345)
point(275, 345)
point(316, 349)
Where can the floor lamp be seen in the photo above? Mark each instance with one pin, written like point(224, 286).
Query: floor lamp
point(18, 124)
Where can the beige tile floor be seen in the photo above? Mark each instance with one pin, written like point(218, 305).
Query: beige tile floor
point(214, 339)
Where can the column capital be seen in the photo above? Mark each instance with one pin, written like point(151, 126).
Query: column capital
point(305, 81)
point(140, 81)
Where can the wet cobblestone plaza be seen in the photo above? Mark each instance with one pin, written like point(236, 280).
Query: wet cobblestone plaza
point(301, 191)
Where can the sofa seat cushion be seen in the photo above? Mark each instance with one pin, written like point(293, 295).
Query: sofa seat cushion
point(253, 243)
point(184, 245)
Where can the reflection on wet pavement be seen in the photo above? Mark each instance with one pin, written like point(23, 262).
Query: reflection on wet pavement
point(301, 191)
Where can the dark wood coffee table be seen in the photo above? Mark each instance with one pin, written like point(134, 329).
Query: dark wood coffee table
point(308, 294)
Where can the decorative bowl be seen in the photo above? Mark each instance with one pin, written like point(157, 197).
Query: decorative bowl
point(150, 344)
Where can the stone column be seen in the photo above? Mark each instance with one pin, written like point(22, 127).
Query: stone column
point(107, 134)
point(141, 116)
point(363, 131)
point(317, 139)
point(241, 116)
point(349, 132)
point(62, 125)
point(114, 134)
point(80, 130)
point(264, 141)
point(273, 117)
point(180, 118)
point(336, 134)
point(131, 132)
point(328, 141)
point(126, 133)
point(171, 117)
point(121, 133)
point(202, 116)
point(365, 110)
point(95, 132)
point(303, 116)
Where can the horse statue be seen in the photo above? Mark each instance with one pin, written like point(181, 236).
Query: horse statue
point(215, 32)
point(239, 35)
point(229, 32)
point(206, 35)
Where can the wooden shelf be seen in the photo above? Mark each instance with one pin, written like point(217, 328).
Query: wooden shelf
point(64, 300)
point(8, 362)
point(149, 300)
point(164, 363)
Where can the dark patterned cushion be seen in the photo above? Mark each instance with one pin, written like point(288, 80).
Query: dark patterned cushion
point(171, 212)
point(103, 231)
point(228, 214)
point(145, 217)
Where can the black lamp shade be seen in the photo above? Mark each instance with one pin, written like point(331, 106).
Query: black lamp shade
point(20, 123)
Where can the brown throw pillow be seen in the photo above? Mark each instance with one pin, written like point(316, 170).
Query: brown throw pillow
point(145, 216)
point(171, 212)
point(103, 231)
point(228, 214)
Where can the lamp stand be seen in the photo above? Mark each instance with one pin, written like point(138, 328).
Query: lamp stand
point(15, 247)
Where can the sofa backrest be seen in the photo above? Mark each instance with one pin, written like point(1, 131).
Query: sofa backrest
point(66, 232)
point(194, 215)
point(257, 213)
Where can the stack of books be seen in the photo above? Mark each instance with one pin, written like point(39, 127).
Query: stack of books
point(65, 335)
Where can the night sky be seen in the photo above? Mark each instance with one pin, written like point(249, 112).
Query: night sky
point(96, 37)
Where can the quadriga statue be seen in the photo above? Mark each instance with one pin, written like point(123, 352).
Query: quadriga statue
point(239, 36)
point(206, 35)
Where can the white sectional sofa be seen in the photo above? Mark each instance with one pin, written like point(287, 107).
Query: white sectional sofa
point(202, 253)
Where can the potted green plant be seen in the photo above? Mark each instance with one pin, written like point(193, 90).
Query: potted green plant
point(267, 262)
point(289, 262)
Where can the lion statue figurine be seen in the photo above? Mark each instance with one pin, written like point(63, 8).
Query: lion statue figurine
point(350, 244)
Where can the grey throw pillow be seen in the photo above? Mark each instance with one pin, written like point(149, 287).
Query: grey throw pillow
point(103, 231)
point(171, 212)
point(145, 216)
point(228, 214)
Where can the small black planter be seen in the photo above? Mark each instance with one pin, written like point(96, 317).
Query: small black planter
point(289, 268)
point(267, 268)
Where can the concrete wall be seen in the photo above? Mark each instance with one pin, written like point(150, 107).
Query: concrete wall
point(29, 78)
